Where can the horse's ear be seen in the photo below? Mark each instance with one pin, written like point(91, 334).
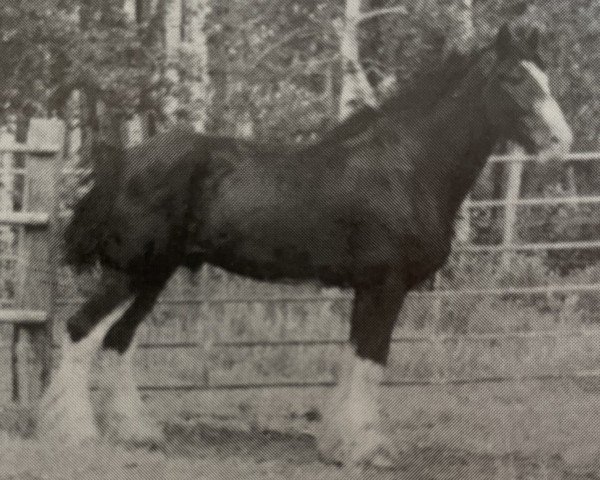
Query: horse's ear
point(504, 41)
point(534, 39)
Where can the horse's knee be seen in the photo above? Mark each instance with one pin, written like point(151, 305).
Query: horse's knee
point(120, 335)
point(119, 338)
point(77, 329)
point(89, 316)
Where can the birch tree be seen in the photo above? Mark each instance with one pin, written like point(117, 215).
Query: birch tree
point(195, 50)
point(460, 40)
point(461, 35)
point(186, 81)
point(134, 126)
point(172, 19)
point(356, 90)
point(515, 169)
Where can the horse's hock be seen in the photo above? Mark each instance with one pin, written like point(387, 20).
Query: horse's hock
point(28, 219)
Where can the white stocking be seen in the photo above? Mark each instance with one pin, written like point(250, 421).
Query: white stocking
point(65, 411)
point(352, 422)
point(125, 415)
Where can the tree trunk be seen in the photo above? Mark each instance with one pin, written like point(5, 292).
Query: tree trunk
point(130, 10)
point(197, 49)
point(173, 29)
point(356, 90)
point(462, 29)
point(459, 41)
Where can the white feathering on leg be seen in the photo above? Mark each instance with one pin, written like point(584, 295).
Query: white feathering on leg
point(125, 415)
point(65, 411)
point(352, 430)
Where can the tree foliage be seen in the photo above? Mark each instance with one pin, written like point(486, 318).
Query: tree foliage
point(275, 64)
point(277, 60)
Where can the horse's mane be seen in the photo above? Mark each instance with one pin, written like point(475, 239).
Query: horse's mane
point(433, 83)
point(429, 86)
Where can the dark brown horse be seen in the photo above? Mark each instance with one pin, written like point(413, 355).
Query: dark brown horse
point(369, 207)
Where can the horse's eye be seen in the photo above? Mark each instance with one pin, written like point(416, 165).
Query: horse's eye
point(512, 77)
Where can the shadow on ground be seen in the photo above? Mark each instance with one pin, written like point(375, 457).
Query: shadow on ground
point(202, 440)
point(214, 442)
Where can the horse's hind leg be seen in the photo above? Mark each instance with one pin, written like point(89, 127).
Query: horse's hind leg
point(123, 415)
point(65, 412)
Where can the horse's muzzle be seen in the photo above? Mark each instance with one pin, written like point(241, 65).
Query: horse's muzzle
point(552, 135)
point(557, 149)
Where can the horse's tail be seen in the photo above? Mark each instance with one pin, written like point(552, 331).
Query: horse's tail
point(85, 235)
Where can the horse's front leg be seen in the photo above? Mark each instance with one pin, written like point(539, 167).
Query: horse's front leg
point(65, 411)
point(352, 426)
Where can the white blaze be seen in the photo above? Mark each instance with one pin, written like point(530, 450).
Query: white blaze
point(540, 77)
point(549, 110)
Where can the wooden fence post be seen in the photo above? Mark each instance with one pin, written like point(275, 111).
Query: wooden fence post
point(43, 168)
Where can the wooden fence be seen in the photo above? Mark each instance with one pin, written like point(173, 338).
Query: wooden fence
point(222, 332)
point(30, 175)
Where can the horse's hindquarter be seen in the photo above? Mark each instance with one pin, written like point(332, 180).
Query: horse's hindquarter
point(151, 201)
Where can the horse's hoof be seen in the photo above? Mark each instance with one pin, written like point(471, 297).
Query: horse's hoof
point(66, 432)
point(65, 425)
point(331, 450)
point(370, 449)
point(137, 433)
point(373, 449)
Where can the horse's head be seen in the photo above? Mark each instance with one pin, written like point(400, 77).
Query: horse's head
point(518, 99)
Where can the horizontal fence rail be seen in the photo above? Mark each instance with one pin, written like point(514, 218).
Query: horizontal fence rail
point(432, 338)
point(532, 202)
point(525, 158)
point(412, 338)
point(24, 218)
point(23, 316)
point(406, 382)
point(527, 247)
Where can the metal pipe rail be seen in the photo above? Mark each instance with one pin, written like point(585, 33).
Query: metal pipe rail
point(570, 157)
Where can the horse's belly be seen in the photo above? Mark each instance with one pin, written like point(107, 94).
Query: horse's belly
point(299, 258)
point(276, 244)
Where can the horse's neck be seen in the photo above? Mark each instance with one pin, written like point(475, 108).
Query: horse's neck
point(463, 141)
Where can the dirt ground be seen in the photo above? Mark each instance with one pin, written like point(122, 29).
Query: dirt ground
point(205, 453)
point(546, 433)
